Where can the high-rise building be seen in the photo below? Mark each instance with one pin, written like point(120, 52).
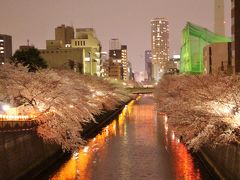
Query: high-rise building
point(236, 34)
point(124, 62)
point(219, 17)
point(64, 34)
point(148, 64)
point(160, 46)
point(5, 47)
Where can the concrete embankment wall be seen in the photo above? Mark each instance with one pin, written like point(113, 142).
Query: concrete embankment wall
point(24, 154)
point(20, 152)
point(225, 160)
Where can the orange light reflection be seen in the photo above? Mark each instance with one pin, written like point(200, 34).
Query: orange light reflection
point(80, 163)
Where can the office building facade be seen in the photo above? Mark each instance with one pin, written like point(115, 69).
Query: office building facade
point(119, 55)
point(82, 54)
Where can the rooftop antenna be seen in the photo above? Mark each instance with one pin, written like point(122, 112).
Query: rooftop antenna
point(28, 42)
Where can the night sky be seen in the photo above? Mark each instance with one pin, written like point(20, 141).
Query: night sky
point(128, 20)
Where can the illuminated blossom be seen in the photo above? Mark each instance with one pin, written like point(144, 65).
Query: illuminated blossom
point(61, 100)
point(202, 109)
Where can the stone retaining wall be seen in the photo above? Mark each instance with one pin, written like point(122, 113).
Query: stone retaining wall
point(25, 154)
point(225, 160)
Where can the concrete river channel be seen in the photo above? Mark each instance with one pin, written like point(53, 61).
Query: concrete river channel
point(136, 145)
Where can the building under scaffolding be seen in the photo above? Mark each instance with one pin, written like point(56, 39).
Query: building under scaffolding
point(195, 38)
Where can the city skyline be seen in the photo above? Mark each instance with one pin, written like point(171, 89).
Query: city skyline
point(35, 21)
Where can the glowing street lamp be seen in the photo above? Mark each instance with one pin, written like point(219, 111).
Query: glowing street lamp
point(5, 107)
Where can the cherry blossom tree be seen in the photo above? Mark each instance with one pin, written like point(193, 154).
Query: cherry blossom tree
point(61, 101)
point(202, 109)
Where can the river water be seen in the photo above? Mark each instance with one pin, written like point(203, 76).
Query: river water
point(137, 145)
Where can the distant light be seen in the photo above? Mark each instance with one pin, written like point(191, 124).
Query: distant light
point(5, 107)
point(176, 56)
point(2, 63)
point(173, 136)
point(86, 149)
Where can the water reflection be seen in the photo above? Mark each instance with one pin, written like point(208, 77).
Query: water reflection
point(79, 166)
point(182, 160)
point(137, 145)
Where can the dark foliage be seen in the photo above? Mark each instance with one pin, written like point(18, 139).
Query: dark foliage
point(30, 58)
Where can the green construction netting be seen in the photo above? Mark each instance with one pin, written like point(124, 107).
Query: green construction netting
point(195, 38)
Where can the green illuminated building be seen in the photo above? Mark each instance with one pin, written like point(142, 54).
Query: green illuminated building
point(195, 38)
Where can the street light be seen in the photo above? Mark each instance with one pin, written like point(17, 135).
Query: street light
point(5, 107)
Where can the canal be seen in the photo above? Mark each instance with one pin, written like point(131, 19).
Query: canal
point(136, 145)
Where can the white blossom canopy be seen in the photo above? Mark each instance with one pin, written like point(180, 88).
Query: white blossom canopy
point(61, 100)
point(202, 109)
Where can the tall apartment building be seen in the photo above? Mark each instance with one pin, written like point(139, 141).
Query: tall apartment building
point(64, 34)
point(236, 34)
point(124, 62)
point(148, 63)
point(160, 46)
point(219, 17)
point(5, 47)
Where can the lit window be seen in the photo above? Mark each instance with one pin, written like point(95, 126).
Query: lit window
point(1, 40)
